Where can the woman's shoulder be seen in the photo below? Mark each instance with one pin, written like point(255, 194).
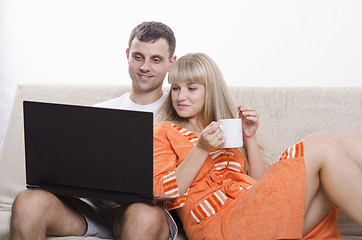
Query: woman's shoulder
point(167, 128)
point(163, 125)
point(174, 134)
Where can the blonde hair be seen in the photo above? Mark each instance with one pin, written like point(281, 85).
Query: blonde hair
point(219, 104)
point(200, 68)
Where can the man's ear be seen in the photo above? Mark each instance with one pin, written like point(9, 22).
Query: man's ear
point(127, 53)
point(172, 60)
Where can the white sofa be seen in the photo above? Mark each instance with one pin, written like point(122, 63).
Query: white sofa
point(286, 116)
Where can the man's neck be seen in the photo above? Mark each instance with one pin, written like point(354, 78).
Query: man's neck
point(145, 98)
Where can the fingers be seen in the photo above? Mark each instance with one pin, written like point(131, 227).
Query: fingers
point(211, 136)
point(249, 113)
point(213, 131)
point(212, 128)
point(250, 120)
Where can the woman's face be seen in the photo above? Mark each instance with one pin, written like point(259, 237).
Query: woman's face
point(188, 99)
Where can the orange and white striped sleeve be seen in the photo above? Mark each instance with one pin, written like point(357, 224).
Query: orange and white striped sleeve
point(164, 166)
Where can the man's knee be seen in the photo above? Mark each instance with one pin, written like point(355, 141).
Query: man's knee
point(27, 211)
point(37, 212)
point(146, 215)
point(144, 219)
point(27, 203)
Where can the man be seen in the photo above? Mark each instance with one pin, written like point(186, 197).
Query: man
point(37, 213)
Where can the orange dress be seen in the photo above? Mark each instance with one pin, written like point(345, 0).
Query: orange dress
point(223, 202)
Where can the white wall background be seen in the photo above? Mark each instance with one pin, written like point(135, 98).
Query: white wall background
point(255, 43)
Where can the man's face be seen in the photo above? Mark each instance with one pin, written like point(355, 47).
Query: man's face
point(148, 64)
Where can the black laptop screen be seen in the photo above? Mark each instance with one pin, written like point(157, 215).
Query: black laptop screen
point(88, 147)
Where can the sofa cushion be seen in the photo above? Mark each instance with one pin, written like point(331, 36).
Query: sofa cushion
point(348, 227)
point(5, 214)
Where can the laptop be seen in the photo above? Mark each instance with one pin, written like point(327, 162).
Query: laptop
point(90, 152)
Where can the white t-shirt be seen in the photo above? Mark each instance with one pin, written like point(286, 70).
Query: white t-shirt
point(124, 102)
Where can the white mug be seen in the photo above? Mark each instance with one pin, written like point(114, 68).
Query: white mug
point(232, 130)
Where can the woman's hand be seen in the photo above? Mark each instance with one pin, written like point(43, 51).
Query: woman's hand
point(250, 120)
point(211, 137)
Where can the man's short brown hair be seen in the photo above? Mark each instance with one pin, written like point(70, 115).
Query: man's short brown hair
point(152, 31)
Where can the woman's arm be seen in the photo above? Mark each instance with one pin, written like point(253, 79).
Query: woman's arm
point(188, 169)
point(250, 118)
point(257, 165)
point(209, 139)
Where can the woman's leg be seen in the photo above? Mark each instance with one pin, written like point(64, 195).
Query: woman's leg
point(352, 144)
point(333, 175)
point(318, 209)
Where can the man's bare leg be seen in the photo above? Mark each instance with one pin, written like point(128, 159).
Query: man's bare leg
point(37, 213)
point(141, 221)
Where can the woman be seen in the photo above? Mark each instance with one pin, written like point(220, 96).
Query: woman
point(230, 193)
